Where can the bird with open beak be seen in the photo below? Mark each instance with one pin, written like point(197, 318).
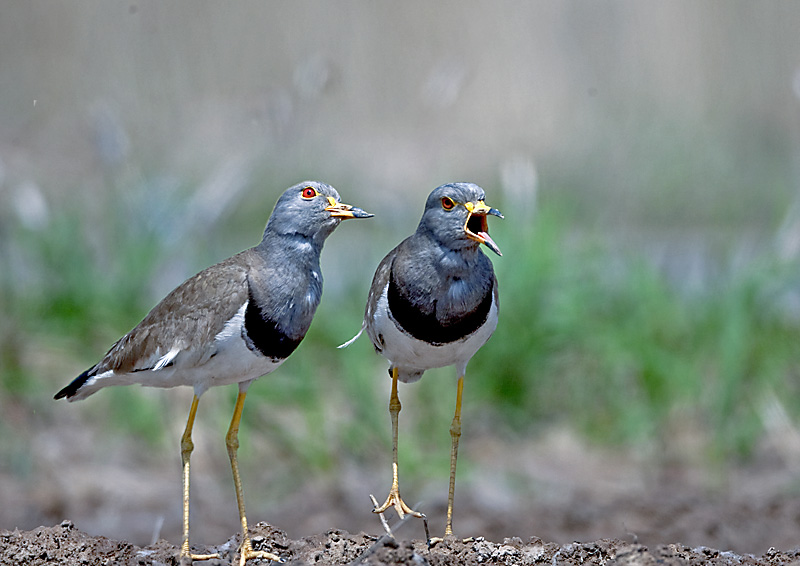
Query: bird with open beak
point(433, 303)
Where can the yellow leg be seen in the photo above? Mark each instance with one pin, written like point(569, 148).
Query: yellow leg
point(455, 435)
point(246, 551)
point(186, 451)
point(394, 498)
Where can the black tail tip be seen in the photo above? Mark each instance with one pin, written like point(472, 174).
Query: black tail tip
point(64, 393)
point(73, 387)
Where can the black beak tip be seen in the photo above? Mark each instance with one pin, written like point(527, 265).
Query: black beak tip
point(360, 213)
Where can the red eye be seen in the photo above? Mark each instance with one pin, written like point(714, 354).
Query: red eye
point(447, 203)
point(309, 192)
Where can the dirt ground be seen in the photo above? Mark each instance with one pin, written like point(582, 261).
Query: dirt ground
point(602, 512)
point(552, 500)
point(64, 544)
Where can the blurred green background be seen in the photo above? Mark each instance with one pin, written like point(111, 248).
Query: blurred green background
point(646, 157)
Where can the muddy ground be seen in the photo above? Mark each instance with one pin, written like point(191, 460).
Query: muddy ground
point(591, 507)
point(550, 499)
point(64, 544)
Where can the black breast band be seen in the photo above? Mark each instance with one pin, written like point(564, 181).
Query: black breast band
point(263, 334)
point(426, 327)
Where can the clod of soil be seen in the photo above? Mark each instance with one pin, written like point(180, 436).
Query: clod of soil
point(65, 544)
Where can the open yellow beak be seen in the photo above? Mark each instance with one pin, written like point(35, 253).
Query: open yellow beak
point(477, 228)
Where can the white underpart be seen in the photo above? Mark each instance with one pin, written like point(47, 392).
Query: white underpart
point(225, 360)
point(405, 351)
point(93, 384)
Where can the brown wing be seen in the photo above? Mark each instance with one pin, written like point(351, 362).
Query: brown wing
point(187, 319)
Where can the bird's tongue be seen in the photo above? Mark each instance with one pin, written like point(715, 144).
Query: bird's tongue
point(489, 242)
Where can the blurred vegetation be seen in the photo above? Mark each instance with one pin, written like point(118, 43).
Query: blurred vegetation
point(645, 157)
point(610, 344)
point(590, 335)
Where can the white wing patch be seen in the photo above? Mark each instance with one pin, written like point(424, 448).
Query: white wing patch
point(165, 360)
point(233, 327)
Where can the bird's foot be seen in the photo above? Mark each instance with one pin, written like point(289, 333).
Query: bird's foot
point(246, 553)
point(186, 558)
point(394, 500)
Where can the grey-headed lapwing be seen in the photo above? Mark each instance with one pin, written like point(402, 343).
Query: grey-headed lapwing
point(433, 303)
point(231, 323)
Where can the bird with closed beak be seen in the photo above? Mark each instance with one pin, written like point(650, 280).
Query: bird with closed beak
point(433, 302)
point(231, 323)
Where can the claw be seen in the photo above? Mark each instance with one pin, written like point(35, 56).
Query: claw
point(187, 557)
point(246, 553)
point(394, 500)
point(384, 522)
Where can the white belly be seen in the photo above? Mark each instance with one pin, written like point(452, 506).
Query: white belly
point(407, 352)
point(224, 361)
point(233, 362)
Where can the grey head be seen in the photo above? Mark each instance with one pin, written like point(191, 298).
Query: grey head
point(455, 216)
point(310, 211)
point(285, 281)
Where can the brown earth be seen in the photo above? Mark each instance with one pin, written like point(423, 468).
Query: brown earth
point(64, 544)
point(546, 500)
